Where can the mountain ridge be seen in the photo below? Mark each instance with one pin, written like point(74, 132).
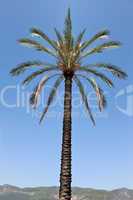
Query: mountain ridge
point(10, 192)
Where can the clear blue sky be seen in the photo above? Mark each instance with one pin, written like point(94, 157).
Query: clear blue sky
point(29, 153)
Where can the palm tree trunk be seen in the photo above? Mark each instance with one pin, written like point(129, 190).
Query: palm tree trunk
point(66, 157)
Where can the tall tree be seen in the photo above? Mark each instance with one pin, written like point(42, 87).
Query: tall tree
point(69, 54)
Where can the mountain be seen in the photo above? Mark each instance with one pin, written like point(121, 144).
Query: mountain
point(8, 192)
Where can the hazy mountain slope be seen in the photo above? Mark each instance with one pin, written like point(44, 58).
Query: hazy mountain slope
point(50, 193)
point(14, 196)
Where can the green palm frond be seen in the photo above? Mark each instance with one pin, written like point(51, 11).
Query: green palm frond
point(100, 48)
point(84, 97)
point(39, 72)
point(100, 75)
point(112, 68)
point(35, 95)
point(59, 37)
point(51, 96)
point(41, 34)
point(23, 66)
point(36, 45)
point(99, 92)
point(79, 39)
point(60, 45)
point(72, 43)
point(100, 35)
point(68, 30)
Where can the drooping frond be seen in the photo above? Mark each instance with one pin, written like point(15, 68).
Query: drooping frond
point(84, 97)
point(99, 92)
point(100, 35)
point(100, 48)
point(36, 45)
point(39, 33)
point(39, 72)
point(118, 72)
point(100, 75)
point(35, 95)
point(51, 96)
point(23, 66)
point(68, 30)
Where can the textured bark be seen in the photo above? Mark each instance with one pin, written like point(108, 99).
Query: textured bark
point(66, 157)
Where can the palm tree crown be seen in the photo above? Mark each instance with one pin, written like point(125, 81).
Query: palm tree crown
point(69, 54)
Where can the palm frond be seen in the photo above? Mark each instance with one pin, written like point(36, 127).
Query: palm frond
point(68, 29)
point(118, 72)
point(99, 92)
point(79, 39)
point(100, 48)
point(51, 96)
point(39, 33)
point(59, 36)
point(35, 95)
point(78, 45)
point(102, 76)
point(100, 35)
point(72, 43)
point(84, 97)
point(60, 44)
point(39, 72)
point(36, 45)
point(23, 66)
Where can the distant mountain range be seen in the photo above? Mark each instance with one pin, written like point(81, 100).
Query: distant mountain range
point(8, 192)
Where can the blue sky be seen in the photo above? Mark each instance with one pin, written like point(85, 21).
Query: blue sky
point(30, 154)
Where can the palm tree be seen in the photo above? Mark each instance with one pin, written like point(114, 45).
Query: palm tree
point(69, 54)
